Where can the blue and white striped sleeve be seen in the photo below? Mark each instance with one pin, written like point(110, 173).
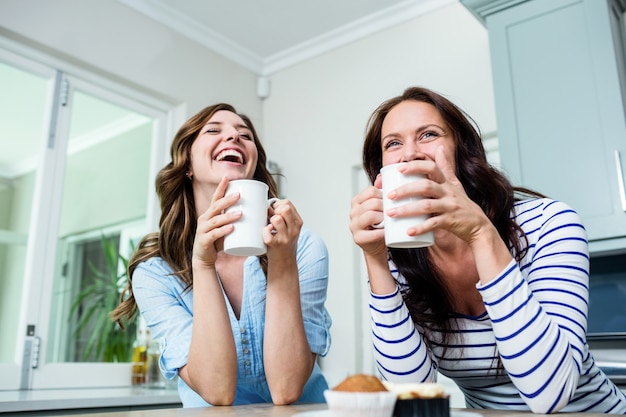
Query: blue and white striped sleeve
point(539, 308)
point(399, 349)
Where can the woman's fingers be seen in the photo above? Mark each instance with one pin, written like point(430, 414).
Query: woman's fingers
point(367, 210)
point(285, 219)
point(215, 223)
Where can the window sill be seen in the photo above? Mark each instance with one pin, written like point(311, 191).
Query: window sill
point(100, 398)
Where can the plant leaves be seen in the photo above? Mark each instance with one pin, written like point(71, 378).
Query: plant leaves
point(106, 341)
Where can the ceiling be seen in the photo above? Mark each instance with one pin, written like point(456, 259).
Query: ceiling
point(265, 36)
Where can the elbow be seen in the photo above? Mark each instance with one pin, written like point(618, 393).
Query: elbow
point(215, 394)
point(216, 387)
point(546, 405)
point(536, 408)
point(216, 398)
point(286, 395)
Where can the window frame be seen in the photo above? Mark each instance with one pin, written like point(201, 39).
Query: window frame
point(38, 275)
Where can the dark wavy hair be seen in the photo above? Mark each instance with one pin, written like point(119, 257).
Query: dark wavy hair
point(427, 296)
point(177, 226)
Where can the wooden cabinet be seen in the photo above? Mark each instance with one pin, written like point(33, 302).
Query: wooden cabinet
point(559, 83)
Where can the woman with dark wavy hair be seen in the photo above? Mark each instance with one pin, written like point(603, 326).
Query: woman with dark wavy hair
point(499, 302)
point(234, 329)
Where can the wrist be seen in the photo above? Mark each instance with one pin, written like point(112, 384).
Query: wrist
point(491, 254)
point(202, 265)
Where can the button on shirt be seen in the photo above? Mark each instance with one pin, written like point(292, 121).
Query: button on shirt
point(168, 311)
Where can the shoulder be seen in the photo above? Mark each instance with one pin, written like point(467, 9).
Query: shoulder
point(542, 210)
point(154, 272)
point(155, 264)
point(309, 241)
point(548, 220)
point(311, 252)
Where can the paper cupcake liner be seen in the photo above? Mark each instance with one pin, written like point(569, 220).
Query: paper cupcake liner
point(362, 404)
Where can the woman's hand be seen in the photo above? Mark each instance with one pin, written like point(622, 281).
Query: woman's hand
point(444, 199)
point(285, 336)
point(282, 233)
point(213, 225)
point(366, 211)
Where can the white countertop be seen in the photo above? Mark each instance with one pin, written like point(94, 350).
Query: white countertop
point(63, 399)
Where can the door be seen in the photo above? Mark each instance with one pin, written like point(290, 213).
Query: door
point(78, 156)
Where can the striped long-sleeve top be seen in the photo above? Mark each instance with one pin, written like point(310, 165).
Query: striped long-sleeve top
point(534, 325)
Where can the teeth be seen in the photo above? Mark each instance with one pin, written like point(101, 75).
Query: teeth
point(230, 153)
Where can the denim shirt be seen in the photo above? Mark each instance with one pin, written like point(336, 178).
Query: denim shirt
point(168, 311)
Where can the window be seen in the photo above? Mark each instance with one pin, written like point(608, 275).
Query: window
point(78, 156)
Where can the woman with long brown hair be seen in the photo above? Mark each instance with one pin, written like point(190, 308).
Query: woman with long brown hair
point(234, 329)
point(498, 303)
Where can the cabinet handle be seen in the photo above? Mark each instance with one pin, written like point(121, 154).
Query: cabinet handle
point(620, 178)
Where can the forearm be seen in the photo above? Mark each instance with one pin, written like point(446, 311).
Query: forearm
point(537, 353)
point(539, 308)
point(400, 352)
point(287, 356)
point(211, 369)
point(380, 279)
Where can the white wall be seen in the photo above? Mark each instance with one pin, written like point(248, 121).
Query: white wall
point(313, 122)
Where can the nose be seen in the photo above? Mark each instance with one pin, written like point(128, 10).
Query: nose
point(411, 152)
point(231, 134)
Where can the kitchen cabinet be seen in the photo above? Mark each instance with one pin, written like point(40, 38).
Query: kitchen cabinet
point(559, 85)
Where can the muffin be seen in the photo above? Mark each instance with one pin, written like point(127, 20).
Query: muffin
point(361, 383)
point(420, 400)
point(362, 395)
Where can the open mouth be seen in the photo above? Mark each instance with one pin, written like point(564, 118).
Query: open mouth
point(230, 155)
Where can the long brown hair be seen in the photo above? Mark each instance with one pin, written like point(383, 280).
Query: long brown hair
point(427, 297)
point(177, 226)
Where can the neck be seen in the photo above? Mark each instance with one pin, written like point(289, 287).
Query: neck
point(202, 197)
point(447, 245)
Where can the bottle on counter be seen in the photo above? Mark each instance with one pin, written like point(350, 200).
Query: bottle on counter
point(154, 377)
point(140, 353)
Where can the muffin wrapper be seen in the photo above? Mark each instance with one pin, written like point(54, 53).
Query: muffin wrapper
point(362, 404)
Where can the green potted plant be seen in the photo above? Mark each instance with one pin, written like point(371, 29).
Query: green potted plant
point(106, 341)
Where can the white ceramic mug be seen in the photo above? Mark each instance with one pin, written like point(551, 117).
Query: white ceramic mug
point(395, 227)
point(246, 239)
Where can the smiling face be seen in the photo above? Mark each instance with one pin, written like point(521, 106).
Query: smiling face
point(414, 130)
point(225, 146)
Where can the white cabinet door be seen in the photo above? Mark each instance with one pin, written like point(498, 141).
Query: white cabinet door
point(560, 106)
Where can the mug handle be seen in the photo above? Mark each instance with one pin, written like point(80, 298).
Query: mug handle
point(271, 201)
point(269, 204)
point(379, 225)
